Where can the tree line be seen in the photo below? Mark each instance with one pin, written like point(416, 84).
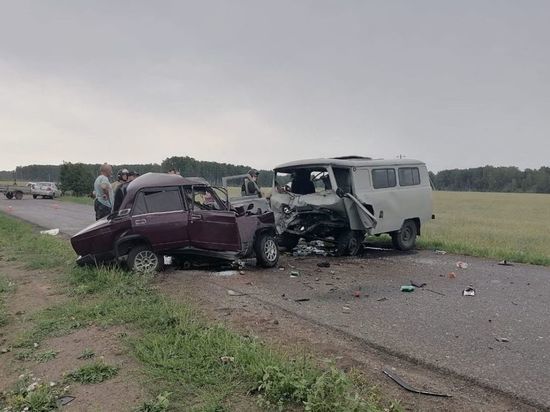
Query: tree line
point(78, 178)
point(493, 179)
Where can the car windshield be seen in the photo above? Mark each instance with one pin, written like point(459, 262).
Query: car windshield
point(302, 181)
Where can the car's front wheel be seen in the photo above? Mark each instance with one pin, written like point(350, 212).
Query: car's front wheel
point(267, 251)
point(34, 196)
point(142, 259)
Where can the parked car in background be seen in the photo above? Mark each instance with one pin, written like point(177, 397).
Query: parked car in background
point(46, 190)
point(185, 218)
point(344, 199)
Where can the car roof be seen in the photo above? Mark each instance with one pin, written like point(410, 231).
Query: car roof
point(163, 180)
point(348, 161)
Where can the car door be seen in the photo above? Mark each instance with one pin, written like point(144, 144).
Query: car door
point(159, 215)
point(211, 225)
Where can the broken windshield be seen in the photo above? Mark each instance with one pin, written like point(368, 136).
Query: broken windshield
point(302, 181)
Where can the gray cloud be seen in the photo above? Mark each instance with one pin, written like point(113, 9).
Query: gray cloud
point(257, 82)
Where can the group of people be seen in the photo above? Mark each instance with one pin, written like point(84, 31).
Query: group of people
point(109, 196)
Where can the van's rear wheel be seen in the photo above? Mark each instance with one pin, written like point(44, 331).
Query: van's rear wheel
point(267, 251)
point(288, 241)
point(405, 238)
point(142, 259)
point(349, 242)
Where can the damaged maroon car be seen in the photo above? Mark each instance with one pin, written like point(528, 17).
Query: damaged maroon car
point(185, 218)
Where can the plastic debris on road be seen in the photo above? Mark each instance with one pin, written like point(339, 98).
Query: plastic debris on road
point(469, 292)
point(504, 340)
point(233, 293)
point(226, 273)
point(462, 265)
point(407, 288)
point(452, 275)
point(52, 232)
point(505, 263)
point(441, 252)
point(294, 274)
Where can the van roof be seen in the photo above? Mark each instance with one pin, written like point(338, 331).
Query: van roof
point(348, 161)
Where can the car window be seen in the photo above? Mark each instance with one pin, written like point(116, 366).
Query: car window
point(157, 201)
point(202, 198)
point(409, 176)
point(382, 178)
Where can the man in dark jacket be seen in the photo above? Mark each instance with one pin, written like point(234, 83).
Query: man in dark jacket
point(250, 186)
point(121, 191)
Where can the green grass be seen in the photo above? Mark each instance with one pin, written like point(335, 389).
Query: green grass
point(95, 372)
point(511, 226)
point(31, 395)
point(5, 287)
point(180, 351)
point(86, 354)
point(83, 200)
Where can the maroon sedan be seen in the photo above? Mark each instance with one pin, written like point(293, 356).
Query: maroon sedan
point(169, 215)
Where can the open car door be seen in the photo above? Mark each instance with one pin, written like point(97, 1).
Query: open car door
point(211, 225)
point(359, 217)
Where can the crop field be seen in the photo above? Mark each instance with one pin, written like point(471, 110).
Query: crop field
point(512, 226)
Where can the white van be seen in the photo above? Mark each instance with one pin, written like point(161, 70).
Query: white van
point(346, 198)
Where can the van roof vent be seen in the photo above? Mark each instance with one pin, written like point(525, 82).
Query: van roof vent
point(352, 158)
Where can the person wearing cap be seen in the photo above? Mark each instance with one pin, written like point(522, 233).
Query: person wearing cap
point(121, 178)
point(250, 184)
point(121, 190)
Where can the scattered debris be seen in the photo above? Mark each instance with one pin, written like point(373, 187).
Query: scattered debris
point(65, 400)
point(238, 264)
point(226, 273)
point(4, 350)
point(346, 309)
point(440, 252)
point(294, 274)
point(167, 260)
point(407, 288)
point(505, 263)
point(242, 272)
point(275, 322)
point(504, 340)
point(452, 275)
point(381, 299)
point(227, 359)
point(52, 232)
point(408, 387)
point(357, 293)
point(282, 269)
point(469, 292)
point(324, 264)
point(462, 265)
point(418, 285)
point(233, 293)
point(302, 300)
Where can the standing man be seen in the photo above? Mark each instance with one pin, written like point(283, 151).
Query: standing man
point(250, 186)
point(121, 178)
point(120, 192)
point(104, 192)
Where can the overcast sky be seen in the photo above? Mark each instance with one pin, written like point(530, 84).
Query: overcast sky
point(453, 83)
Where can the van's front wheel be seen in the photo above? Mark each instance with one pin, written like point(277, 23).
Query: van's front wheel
point(405, 238)
point(349, 242)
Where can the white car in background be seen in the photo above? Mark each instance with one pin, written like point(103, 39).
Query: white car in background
point(45, 190)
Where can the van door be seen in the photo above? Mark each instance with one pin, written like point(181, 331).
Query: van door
point(159, 215)
point(385, 199)
point(211, 225)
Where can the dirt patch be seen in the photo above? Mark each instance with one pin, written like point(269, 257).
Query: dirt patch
point(34, 291)
point(250, 315)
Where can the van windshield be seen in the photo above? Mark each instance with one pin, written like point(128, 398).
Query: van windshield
point(302, 181)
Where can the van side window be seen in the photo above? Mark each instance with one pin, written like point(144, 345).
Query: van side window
point(343, 178)
point(409, 176)
point(382, 178)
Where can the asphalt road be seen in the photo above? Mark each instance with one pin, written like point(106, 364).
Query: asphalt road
point(500, 337)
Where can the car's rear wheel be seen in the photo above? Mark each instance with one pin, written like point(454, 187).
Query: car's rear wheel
point(288, 241)
point(267, 250)
point(405, 238)
point(349, 242)
point(34, 196)
point(142, 259)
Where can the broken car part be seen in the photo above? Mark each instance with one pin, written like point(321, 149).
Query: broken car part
point(408, 387)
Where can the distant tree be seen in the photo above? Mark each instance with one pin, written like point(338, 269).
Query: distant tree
point(76, 177)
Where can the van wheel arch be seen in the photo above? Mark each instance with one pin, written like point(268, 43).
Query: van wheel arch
point(405, 238)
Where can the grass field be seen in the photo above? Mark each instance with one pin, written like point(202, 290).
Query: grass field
point(512, 226)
